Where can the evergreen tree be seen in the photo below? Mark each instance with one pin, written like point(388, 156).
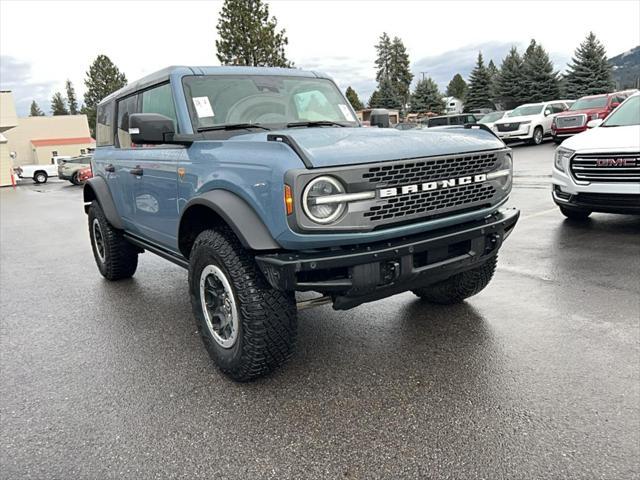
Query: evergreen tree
point(58, 106)
point(71, 98)
point(400, 74)
point(383, 58)
point(353, 98)
point(248, 36)
point(479, 94)
point(541, 82)
point(457, 87)
point(509, 83)
point(388, 96)
point(392, 72)
point(493, 74)
point(103, 78)
point(374, 100)
point(426, 97)
point(589, 72)
point(35, 110)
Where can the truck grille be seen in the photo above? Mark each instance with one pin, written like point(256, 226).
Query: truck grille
point(508, 127)
point(600, 167)
point(571, 121)
point(431, 169)
point(430, 202)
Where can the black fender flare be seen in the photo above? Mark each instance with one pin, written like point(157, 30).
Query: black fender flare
point(239, 215)
point(96, 188)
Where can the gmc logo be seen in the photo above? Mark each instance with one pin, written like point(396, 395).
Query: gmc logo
point(615, 162)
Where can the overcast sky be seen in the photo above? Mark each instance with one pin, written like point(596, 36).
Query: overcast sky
point(44, 42)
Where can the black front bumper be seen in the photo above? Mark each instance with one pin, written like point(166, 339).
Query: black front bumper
point(624, 203)
point(363, 273)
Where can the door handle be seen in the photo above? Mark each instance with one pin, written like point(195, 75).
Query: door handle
point(136, 171)
point(110, 168)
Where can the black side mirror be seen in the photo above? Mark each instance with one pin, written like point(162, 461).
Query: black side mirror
point(150, 129)
point(379, 118)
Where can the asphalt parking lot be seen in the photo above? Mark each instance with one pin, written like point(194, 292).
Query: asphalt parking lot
point(536, 377)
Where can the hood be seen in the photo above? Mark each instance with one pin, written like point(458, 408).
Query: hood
point(327, 147)
point(586, 111)
point(606, 139)
point(518, 119)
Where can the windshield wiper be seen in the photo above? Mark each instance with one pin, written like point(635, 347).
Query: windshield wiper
point(233, 126)
point(316, 123)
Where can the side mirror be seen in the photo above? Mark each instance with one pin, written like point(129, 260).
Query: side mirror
point(547, 113)
point(379, 118)
point(615, 105)
point(150, 129)
point(595, 123)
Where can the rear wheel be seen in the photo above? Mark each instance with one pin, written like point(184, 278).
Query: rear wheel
point(40, 177)
point(459, 287)
point(115, 257)
point(74, 179)
point(538, 136)
point(247, 327)
point(575, 213)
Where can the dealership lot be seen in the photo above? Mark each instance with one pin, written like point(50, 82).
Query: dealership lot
point(536, 377)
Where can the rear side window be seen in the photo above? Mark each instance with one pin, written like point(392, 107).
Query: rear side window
point(126, 107)
point(438, 121)
point(104, 125)
point(160, 100)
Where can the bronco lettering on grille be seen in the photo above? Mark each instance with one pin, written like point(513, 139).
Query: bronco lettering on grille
point(428, 186)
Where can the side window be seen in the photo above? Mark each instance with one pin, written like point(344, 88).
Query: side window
point(159, 100)
point(557, 108)
point(104, 125)
point(126, 107)
point(470, 119)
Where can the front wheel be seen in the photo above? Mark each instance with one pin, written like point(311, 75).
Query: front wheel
point(75, 180)
point(247, 327)
point(575, 214)
point(459, 287)
point(40, 177)
point(538, 136)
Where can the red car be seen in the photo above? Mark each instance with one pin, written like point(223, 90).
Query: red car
point(589, 108)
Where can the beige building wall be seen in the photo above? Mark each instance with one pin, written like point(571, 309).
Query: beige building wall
point(8, 120)
point(43, 154)
point(38, 128)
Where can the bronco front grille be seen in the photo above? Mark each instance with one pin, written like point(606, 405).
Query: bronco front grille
point(601, 167)
point(571, 121)
point(431, 169)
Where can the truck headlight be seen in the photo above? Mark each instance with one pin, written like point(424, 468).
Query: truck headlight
point(560, 156)
point(318, 210)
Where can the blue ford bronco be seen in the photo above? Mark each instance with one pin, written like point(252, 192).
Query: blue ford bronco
point(261, 182)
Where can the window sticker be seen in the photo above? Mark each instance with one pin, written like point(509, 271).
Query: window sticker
point(346, 112)
point(203, 107)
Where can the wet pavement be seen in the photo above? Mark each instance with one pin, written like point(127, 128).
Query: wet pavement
point(536, 377)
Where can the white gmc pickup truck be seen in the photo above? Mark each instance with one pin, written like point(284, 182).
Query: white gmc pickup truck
point(40, 173)
point(599, 170)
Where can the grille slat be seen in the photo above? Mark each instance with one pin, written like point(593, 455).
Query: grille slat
point(571, 121)
point(613, 167)
point(508, 127)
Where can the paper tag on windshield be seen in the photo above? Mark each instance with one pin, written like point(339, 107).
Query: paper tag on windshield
point(203, 107)
point(346, 112)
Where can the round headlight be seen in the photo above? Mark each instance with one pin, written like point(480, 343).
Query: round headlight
point(321, 212)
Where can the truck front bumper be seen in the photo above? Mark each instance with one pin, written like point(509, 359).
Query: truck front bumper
point(364, 273)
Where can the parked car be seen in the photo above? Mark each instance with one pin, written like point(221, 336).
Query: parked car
point(588, 108)
point(70, 168)
point(261, 182)
point(599, 170)
point(530, 122)
point(84, 174)
point(490, 118)
point(40, 173)
point(447, 120)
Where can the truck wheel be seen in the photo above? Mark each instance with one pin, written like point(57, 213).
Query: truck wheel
point(574, 213)
point(247, 327)
point(116, 258)
point(538, 136)
point(40, 177)
point(460, 286)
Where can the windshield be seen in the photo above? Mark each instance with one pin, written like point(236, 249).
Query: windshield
point(265, 100)
point(625, 115)
point(586, 103)
point(491, 117)
point(526, 110)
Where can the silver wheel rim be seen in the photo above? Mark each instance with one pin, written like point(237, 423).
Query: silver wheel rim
point(538, 135)
point(40, 178)
point(98, 239)
point(219, 306)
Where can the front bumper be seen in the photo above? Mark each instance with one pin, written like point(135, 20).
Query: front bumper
point(561, 133)
point(523, 133)
point(625, 203)
point(364, 273)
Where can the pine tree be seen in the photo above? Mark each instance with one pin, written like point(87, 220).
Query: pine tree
point(393, 72)
point(493, 74)
point(479, 94)
point(71, 98)
point(400, 74)
point(457, 87)
point(58, 106)
point(426, 97)
point(541, 82)
point(374, 100)
point(388, 96)
point(589, 72)
point(103, 78)
point(35, 110)
point(509, 84)
point(248, 36)
point(353, 98)
point(383, 58)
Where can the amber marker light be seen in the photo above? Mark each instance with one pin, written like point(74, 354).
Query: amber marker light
point(288, 199)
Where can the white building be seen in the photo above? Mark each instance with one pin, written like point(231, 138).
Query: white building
point(453, 105)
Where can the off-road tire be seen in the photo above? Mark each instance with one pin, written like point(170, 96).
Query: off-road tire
point(74, 179)
point(574, 213)
point(460, 286)
point(40, 177)
point(267, 317)
point(534, 140)
point(120, 257)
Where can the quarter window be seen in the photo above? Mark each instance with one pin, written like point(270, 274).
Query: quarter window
point(126, 107)
point(104, 125)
